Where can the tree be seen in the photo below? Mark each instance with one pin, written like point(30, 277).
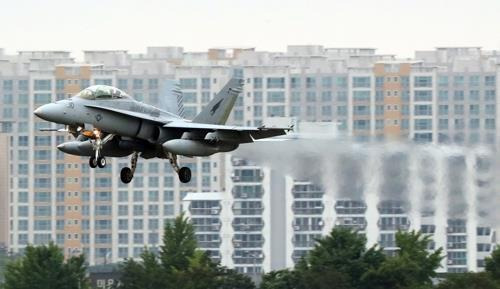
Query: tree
point(412, 267)
point(281, 279)
point(341, 260)
point(147, 274)
point(469, 281)
point(180, 265)
point(493, 264)
point(342, 254)
point(43, 267)
point(179, 244)
point(338, 260)
point(230, 279)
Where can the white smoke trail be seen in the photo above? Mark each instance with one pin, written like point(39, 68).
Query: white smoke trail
point(434, 182)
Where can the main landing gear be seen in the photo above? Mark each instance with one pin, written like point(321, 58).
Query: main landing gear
point(127, 174)
point(184, 173)
point(97, 160)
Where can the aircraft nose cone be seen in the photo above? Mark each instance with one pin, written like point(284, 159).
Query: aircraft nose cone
point(47, 111)
point(38, 111)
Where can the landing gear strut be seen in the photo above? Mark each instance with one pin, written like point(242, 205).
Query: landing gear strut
point(184, 173)
point(97, 160)
point(127, 174)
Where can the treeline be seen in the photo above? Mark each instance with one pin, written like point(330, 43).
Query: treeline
point(339, 260)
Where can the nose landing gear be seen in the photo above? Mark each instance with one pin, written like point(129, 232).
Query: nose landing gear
point(97, 160)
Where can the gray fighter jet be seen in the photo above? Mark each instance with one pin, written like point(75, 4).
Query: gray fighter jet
point(107, 122)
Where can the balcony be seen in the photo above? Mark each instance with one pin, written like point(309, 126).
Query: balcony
point(452, 245)
point(391, 208)
point(358, 223)
point(207, 227)
point(248, 192)
point(456, 230)
point(308, 207)
point(247, 179)
point(253, 175)
point(248, 244)
point(307, 191)
point(308, 195)
point(304, 244)
point(254, 211)
point(248, 257)
point(205, 211)
point(394, 227)
point(247, 227)
point(348, 207)
point(209, 244)
point(307, 227)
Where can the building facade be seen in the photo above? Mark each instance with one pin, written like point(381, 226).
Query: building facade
point(448, 96)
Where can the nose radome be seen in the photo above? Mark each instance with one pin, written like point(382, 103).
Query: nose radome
point(47, 111)
point(38, 111)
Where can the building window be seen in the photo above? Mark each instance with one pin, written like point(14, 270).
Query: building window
point(138, 83)
point(43, 84)
point(423, 95)
point(358, 82)
point(310, 82)
point(275, 82)
point(423, 81)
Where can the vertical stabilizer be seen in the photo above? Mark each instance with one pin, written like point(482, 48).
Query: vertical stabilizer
point(218, 109)
point(171, 98)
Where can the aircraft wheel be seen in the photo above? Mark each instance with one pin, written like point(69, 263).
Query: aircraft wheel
point(126, 175)
point(184, 174)
point(101, 162)
point(93, 162)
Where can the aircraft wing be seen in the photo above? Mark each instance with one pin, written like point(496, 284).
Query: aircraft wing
point(153, 118)
point(240, 134)
point(245, 132)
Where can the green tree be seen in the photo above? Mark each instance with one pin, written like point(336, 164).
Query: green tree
point(412, 267)
point(338, 260)
point(493, 264)
point(146, 274)
point(342, 254)
point(281, 279)
point(44, 267)
point(180, 265)
point(341, 260)
point(179, 244)
point(230, 279)
point(469, 281)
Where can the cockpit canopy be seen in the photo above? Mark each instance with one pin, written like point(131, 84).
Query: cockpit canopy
point(102, 92)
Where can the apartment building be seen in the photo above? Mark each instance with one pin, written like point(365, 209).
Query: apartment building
point(448, 95)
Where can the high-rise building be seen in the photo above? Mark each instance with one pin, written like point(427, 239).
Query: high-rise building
point(448, 95)
point(4, 191)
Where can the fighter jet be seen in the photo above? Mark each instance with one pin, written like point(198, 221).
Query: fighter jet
point(107, 122)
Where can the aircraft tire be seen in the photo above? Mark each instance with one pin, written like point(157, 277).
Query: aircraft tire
point(93, 162)
point(184, 174)
point(101, 162)
point(126, 175)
